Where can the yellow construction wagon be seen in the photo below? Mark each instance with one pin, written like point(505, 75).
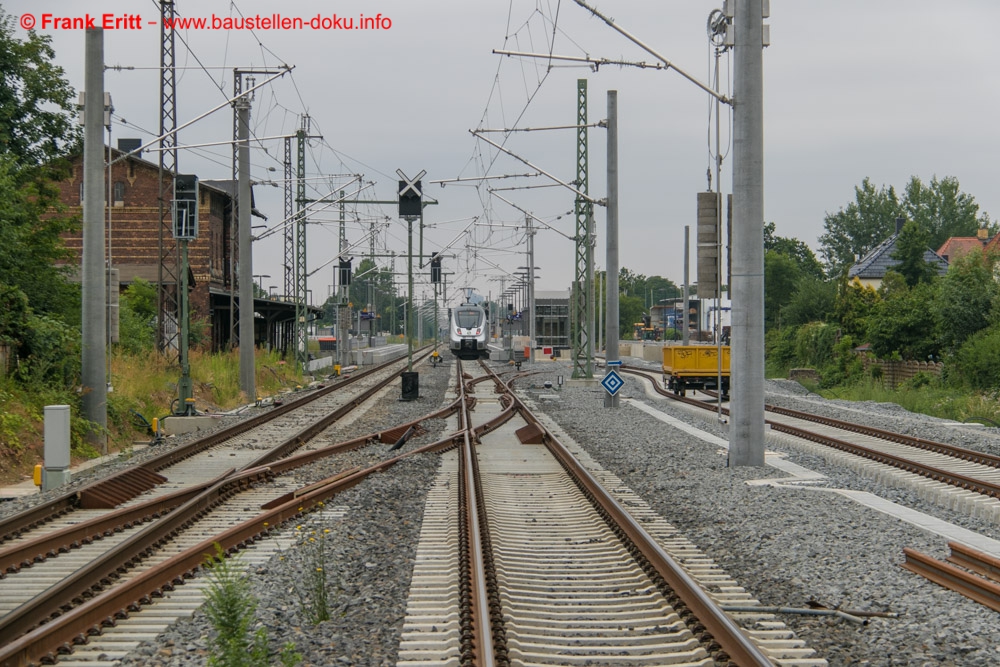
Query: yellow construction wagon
point(695, 367)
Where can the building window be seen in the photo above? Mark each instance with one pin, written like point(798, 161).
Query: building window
point(119, 193)
point(81, 192)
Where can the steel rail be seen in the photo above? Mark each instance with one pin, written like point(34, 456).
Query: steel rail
point(13, 558)
point(478, 634)
point(102, 571)
point(981, 563)
point(922, 469)
point(73, 626)
point(317, 427)
point(954, 578)
point(134, 549)
point(739, 648)
point(44, 512)
point(900, 438)
point(17, 556)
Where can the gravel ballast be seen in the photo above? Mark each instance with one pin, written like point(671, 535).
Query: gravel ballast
point(786, 546)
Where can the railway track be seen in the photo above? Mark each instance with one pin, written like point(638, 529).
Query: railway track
point(239, 447)
point(76, 586)
point(960, 477)
point(563, 571)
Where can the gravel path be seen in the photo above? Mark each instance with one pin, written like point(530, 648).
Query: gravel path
point(786, 546)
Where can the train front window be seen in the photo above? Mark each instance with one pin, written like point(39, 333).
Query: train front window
point(467, 319)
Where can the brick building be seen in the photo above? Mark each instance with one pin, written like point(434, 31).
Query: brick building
point(132, 242)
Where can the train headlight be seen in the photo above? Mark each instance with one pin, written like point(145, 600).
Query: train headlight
point(478, 331)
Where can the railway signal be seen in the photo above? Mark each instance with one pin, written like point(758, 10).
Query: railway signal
point(435, 268)
point(410, 195)
point(344, 273)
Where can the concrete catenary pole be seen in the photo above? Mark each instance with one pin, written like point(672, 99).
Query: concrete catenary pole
point(746, 428)
point(611, 321)
point(95, 389)
point(248, 383)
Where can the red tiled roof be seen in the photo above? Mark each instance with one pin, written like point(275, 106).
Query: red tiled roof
point(994, 244)
point(957, 246)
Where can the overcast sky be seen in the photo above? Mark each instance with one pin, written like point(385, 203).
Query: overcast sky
point(852, 88)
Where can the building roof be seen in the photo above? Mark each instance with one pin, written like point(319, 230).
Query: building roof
point(226, 187)
point(551, 294)
point(879, 260)
point(993, 245)
point(231, 188)
point(957, 246)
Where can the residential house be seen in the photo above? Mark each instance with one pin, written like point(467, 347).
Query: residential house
point(871, 269)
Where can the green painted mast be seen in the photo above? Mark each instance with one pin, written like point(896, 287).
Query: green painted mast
point(582, 317)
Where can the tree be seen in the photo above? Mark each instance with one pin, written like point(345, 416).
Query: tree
point(814, 301)
point(967, 298)
point(900, 323)
point(36, 103)
point(854, 305)
point(977, 362)
point(854, 230)
point(942, 209)
point(801, 253)
point(911, 246)
point(30, 243)
point(631, 283)
point(660, 288)
point(137, 317)
point(781, 278)
point(630, 311)
point(37, 115)
point(939, 208)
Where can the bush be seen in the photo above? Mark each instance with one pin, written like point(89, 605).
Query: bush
point(976, 363)
point(50, 353)
point(779, 351)
point(137, 318)
point(814, 344)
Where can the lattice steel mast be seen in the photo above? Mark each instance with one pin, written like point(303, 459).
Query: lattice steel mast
point(169, 268)
point(289, 237)
point(301, 351)
point(582, 318)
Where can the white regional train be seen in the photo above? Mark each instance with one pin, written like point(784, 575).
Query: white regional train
point(469, 332)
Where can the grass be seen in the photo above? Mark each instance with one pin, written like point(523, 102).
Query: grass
point(312, 552)
point(930, 399)
point(144, 387)
point(231, 608)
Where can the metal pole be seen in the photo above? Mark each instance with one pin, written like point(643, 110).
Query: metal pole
point(718, 240)
point(301, 273)
point(185, 387)
point(611, 322)
point(685, 306)
point(591, 322)
point(94, 333)
point(531, 290)
point(746, 428)
point(409, 295)
point(342, 291)
point(247, 379)
point(600, 310)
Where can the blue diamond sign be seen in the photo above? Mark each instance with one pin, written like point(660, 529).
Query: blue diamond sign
point(612, 382)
